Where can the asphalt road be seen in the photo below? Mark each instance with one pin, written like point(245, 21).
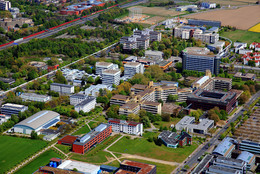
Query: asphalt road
point(239, 67)
point(194, 159)
point(81, 21)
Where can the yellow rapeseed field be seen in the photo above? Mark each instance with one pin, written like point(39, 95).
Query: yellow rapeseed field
point(255, 28)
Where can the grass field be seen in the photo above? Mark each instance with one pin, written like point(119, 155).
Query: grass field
point(161, 168)
point(14, 150)
point(83, 130)
point(63, 148)
point(255, 28)
point(142, 147)
point(173, 121)
point(42, 160)
point(242, 35)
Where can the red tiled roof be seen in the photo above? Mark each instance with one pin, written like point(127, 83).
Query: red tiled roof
point(68, 139)
point(117, 121)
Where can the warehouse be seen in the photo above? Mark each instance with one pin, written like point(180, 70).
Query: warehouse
point(40, 120)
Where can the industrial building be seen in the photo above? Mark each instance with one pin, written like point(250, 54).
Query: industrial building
point(224, 148)
point(132, 68)
point(110, 77)
point(200, 59)
point(62, 88)
point(35, 97)
point(173, 140)
point(96, 136)
point(86, 105)
point(124, 126)
point(132, 167)
point(207, 99)
point(40, 120)
point(83, 167)
point(188, 123)
point(10, 109)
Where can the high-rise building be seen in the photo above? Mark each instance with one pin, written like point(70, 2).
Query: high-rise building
point(101, 66)
point(5, 5)
point(132, 68)
point(110, 77)
point(200, 59)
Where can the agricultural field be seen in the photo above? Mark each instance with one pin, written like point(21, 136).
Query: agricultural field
point(233, 2)
point(14, 150)
point(255, 28)
point(42, 160)
point(140, 146)
point(158, 11)
point(242, 36)
point(238, 18)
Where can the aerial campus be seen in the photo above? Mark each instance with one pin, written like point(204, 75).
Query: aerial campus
point(129, 86)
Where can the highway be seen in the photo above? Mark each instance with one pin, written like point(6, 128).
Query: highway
point(81, 21)
point(194, 159)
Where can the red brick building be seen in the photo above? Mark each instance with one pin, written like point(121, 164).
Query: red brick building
point(96, 136)
point(67, 140)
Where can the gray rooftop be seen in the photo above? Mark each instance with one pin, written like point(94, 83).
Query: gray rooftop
point(86, 101)
point(38, 119)
point(246, 156)
point(223, 147)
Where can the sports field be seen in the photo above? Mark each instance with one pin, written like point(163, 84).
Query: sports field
point(42, 160)
point(142, 147)
point(14, 150)
point(242, 18)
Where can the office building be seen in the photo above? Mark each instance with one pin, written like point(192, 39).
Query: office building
point(129, 108)
point(188, 123)
point(208, 5)
point(225, 148)
point(138, 88)
point(201, 22)
point(132, 167)
point(14, 11)
point(124, 126)
point(5, 5)
point(162, 92)
point(77, 98)
point(119, 99)
point(88, 141)
point(203, 165)
point(154, 54)
point(10, 109)
point(183, 94)
point(101, 66)
point(147, 95)
point(62, 88)
point(200, 59)
point(230, 163)
point(207, 99)
point(248, 158)
point(245, 76)
point(153, 107)
point(35, 97)
point(110, 77)
point(93, 90)
point(36, 122)
point(173, 140)
point(250, 146)
point(132, 68)
point(86, 105)
point(4, 118)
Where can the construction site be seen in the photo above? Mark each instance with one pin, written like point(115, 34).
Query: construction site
point(250, 128)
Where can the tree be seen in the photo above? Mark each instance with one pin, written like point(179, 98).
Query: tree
point(173, 98)
point(60, 78)
point(90, 79)
point(133, 117)
point(25, 25)
point(174, 129)
point(34, 135)
point(32, 75)
point(139, 79)
point(112, 111)
point(166, 117)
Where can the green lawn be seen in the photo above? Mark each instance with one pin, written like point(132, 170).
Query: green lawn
point(42, 160)
point(173, 121)
point(14, 150)
point(142, 147)
point(63, 148)
point(83, 130)
point(160, 168)
point(242, 36)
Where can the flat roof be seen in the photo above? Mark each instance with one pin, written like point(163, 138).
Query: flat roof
point(62, 85)
point(157, 53)
point(132, 64)
point(80, 166)
point(246, 156)
point(198, 51)
point(103, 64)
point(34, 95)
point(144, 168)
point(110, 71)
point(38, 119)
point(86, 101)
point(129, 105)
point(151, 103)
point(68, 139)
point(54, 170)
point(244, 75)
point(123, 122)
point(13, 106)
point(223, 147)
point(120, 97)
point(139, 86)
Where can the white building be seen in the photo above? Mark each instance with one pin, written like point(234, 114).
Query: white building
point(124, 126)
point(40, 120)
point(62, 88)
point(188, 123)
point(82, 167)
point(10, 109)
point(5, 5)
point(77, 98)
point(255, 46)
point(102, 66)
point(4, 118)
point(86, 105)
point(35, 97)
point(93, 90)
point(208, 5)
point(110, 77)
point(132, 68)
point(239, 46)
